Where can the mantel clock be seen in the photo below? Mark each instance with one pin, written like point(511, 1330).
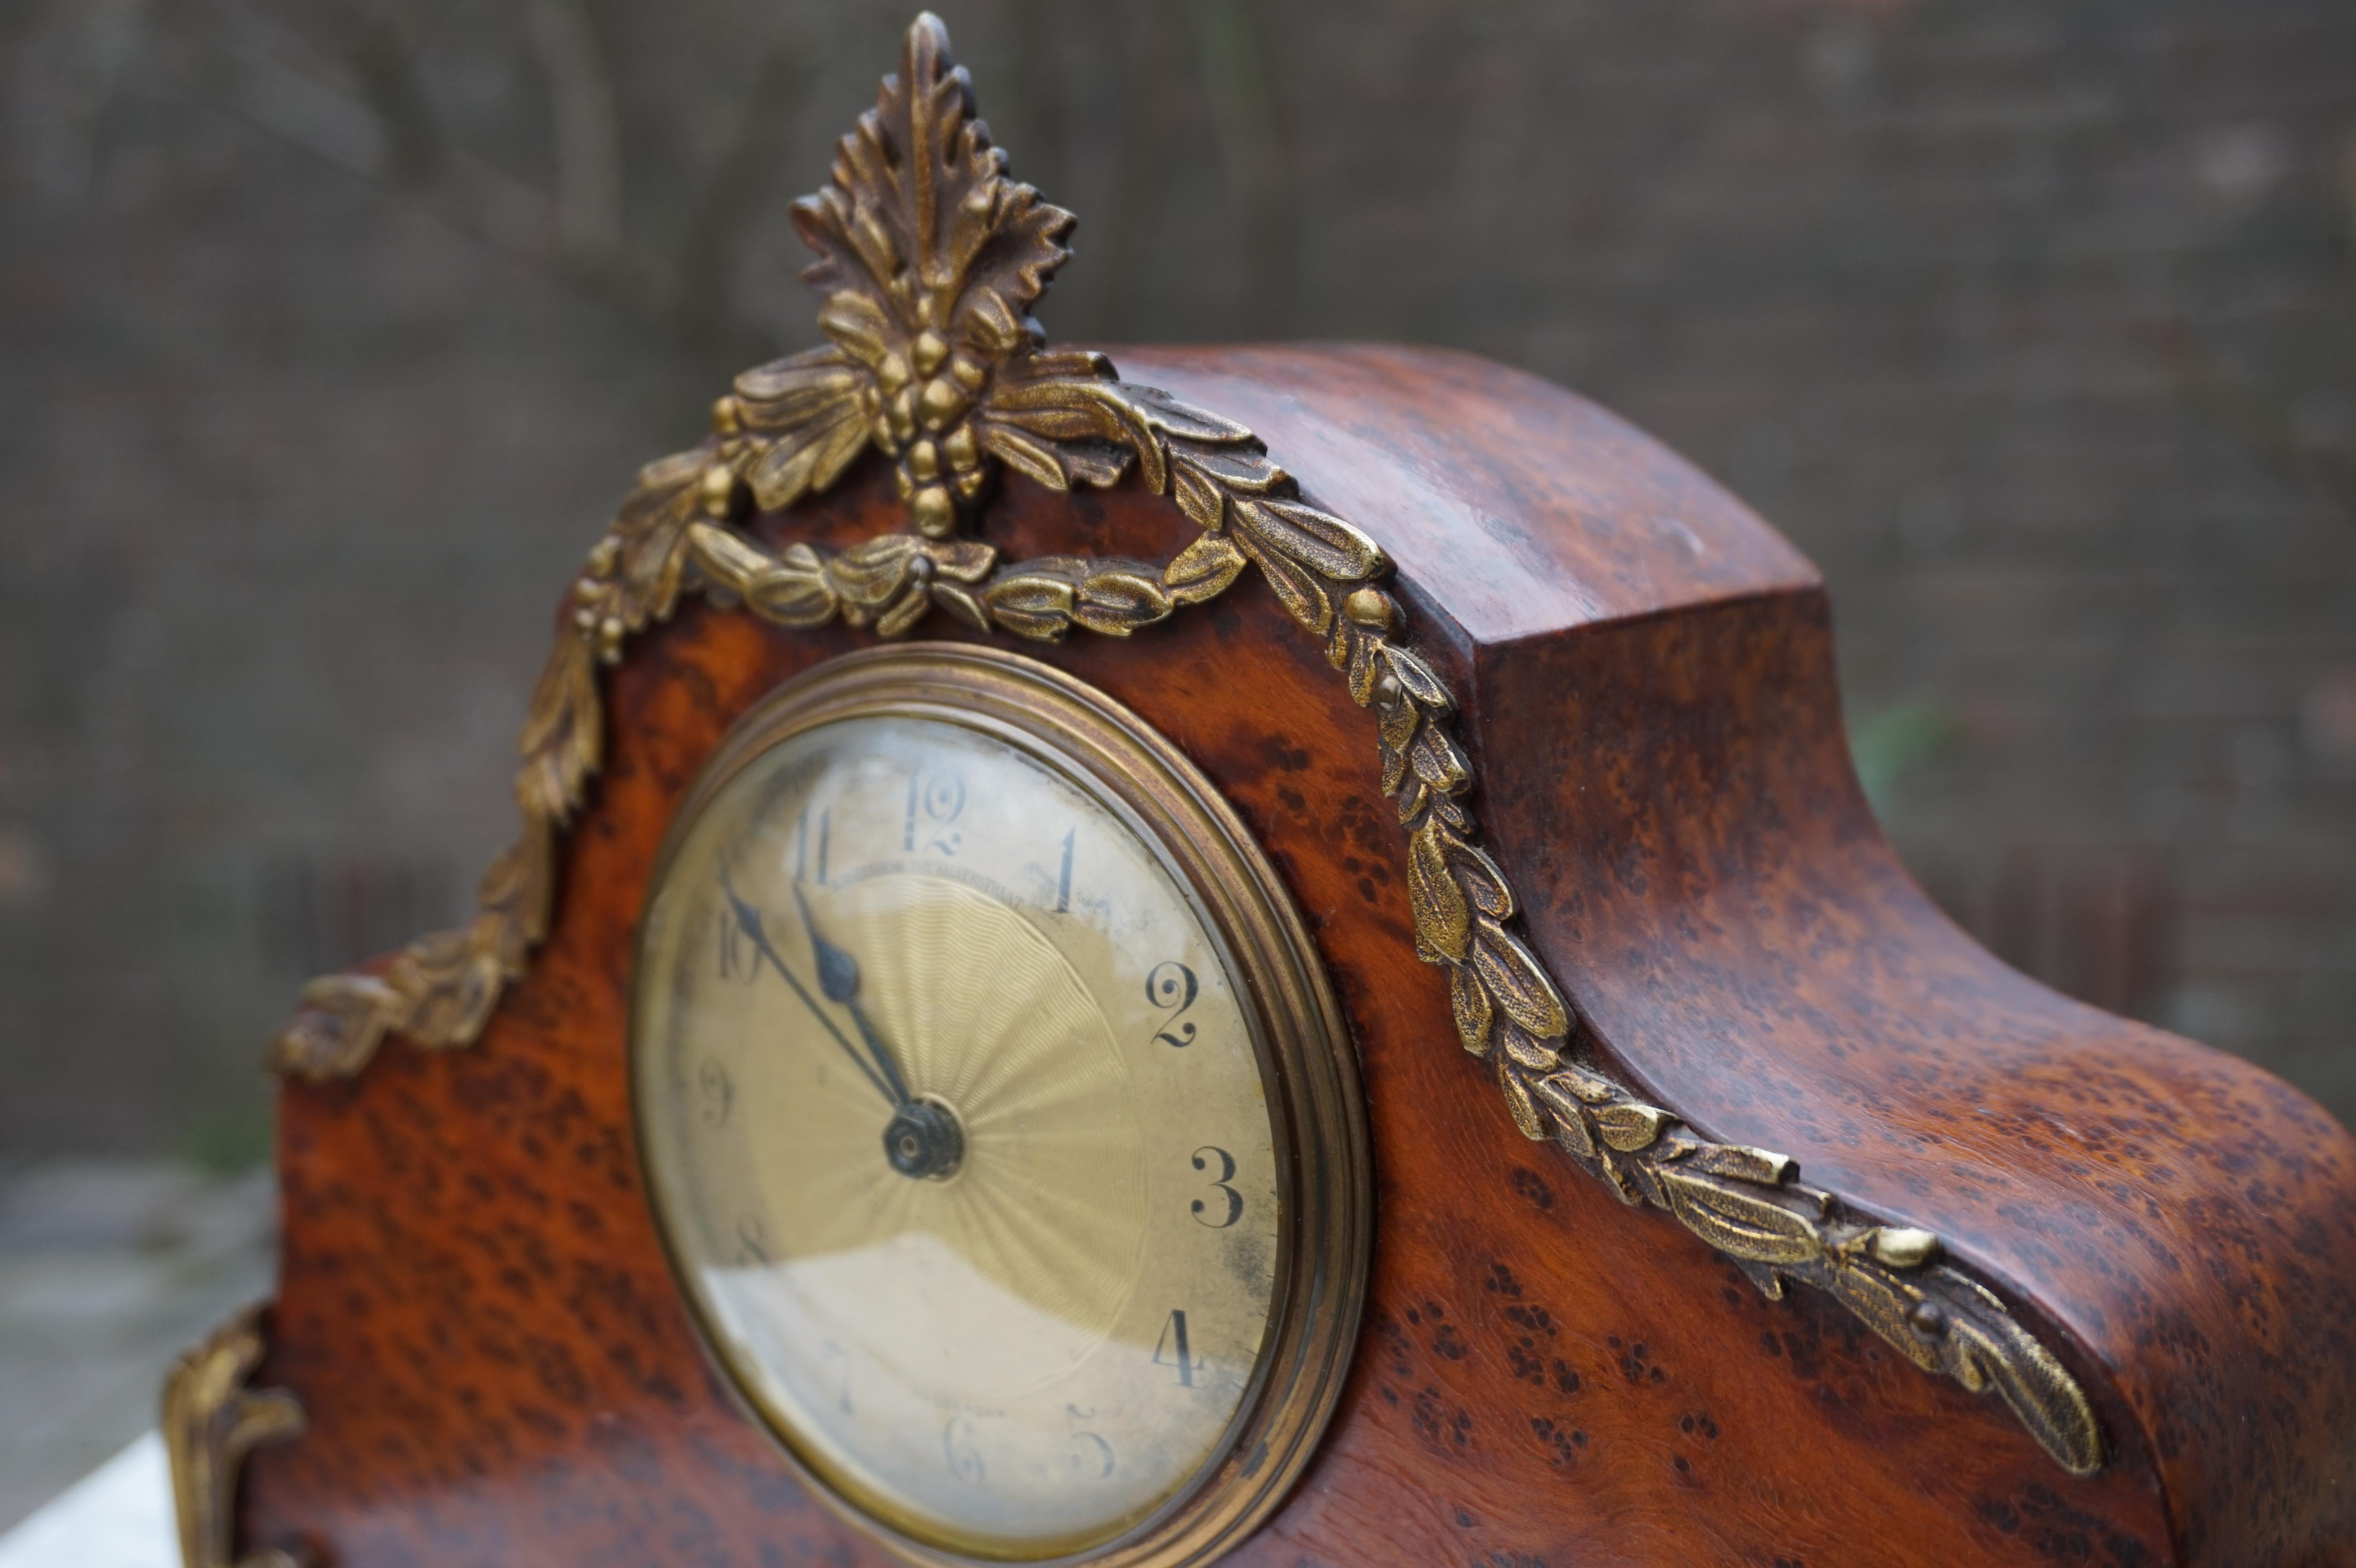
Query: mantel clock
point(1269, 954)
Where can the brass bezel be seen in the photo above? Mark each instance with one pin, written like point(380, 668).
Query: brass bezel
point(1307, 1063)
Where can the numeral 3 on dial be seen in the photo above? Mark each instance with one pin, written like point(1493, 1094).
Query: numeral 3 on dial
point(1233, 1209)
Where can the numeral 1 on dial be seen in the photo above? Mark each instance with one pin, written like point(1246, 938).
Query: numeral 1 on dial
point(804, 858)
point(735, 963)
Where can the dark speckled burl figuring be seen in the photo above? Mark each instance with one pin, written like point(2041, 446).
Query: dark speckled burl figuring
point(496, 1366)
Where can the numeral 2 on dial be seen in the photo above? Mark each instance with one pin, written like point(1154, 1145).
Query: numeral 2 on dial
point(1172, 987)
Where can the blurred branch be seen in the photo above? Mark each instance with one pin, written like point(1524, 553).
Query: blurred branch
point(1236, 80)
point(374, 49)
point(77, 57)
point(2348, 210)
point(715, 239)
point(2262, 420)
point(588, 138)
point(578, 232)
point(1130, 195)
point(1035, 105)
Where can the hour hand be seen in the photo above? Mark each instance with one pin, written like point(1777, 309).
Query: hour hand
point(837, 979)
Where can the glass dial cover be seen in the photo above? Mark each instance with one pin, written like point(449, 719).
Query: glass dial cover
point(959, 1133)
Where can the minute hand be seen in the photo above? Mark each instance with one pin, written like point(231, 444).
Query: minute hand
point(838, 977)
point(748, 918)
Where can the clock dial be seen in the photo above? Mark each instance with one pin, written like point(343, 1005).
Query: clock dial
point(955, 1115)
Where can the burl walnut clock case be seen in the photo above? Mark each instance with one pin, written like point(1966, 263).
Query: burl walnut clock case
point(1270, 955)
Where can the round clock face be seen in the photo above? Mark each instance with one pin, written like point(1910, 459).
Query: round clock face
point(962, 1124)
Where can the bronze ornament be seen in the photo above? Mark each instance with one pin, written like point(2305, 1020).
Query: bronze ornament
point(211, 1419)
point(930, 260)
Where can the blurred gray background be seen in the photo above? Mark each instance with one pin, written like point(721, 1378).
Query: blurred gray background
point(331, 330)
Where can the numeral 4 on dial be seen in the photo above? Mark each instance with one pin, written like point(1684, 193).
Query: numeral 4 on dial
point(1173, 1352)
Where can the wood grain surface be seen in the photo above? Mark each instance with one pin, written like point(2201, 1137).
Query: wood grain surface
point(475, 1312)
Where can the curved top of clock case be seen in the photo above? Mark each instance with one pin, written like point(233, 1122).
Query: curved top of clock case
point(1647, 684)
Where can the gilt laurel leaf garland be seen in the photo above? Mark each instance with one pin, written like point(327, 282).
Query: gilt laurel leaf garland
point(930, 259)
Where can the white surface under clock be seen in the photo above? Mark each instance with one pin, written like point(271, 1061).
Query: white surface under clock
point(118, 1516)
